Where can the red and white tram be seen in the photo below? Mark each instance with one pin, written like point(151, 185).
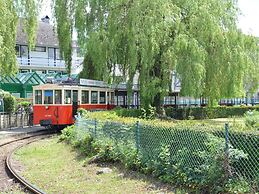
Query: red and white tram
point(57, 104)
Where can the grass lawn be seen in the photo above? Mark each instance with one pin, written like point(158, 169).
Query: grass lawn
point(222, 121)
point(56, 168)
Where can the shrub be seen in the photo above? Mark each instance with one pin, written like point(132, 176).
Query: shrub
point(83, 112)
point(148, 113)
point(184, 155)
point(68, 134)
point(252, 119)
point(123, 112)
point(206, 112)
point(25, 105)
point(9, 101)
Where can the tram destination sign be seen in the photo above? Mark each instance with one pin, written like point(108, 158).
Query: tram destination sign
point(90, 82)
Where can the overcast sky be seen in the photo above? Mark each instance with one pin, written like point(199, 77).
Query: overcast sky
point(248, 21)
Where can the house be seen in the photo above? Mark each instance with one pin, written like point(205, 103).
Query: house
point(45, 57)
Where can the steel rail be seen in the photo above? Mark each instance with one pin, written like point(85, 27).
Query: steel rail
point(9, 167)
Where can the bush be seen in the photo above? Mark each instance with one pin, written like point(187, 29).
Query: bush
point(25, 105)
point(252, 119)
point(83, 112)
point(123, 112)
point(9, 101)
point(207, 113)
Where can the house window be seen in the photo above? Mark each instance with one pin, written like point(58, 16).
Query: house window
point(57, 52)
point(85, 97)
point(39, 49)
point(24, 51)
point(24, 70)
point(17, 50)
point(51, 53)
point(94, 97)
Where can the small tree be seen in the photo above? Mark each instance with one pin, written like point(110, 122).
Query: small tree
point(9, 101)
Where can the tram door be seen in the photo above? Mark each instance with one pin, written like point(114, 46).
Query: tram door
point(75, 102)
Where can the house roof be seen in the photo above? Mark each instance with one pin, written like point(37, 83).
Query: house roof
point(46, 35)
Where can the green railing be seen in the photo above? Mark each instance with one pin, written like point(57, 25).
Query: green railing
point(184, 154)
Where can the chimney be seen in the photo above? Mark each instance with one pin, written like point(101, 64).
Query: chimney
point(45, 19)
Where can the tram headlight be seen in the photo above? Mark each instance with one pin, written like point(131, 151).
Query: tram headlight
point(46, 107)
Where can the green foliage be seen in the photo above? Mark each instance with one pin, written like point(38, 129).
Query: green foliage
point(10, 12)
point(252, 119)
point(8, 22)
point(68, 133)
point(123, 112)
point(214, 60)
point(64, 11)
point(148, 113)
point(204, 113)
point(183, 155)
point(24, 104)
point(83, 112)
point(238, 186)
point(9, 101)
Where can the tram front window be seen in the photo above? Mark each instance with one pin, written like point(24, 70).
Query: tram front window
point(58, 96)
point(38, 97)
point(48, 97)
point(67, 96)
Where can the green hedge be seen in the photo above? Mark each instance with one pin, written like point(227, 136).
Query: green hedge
point(123, 112)
point(205, 113)
point(195, 112)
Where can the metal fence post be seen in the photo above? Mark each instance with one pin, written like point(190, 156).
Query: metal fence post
point(226, 137)
point(137, 136)
point(227, 167)
point(95, 127)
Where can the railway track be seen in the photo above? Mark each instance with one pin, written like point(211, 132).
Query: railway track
point(8, 171)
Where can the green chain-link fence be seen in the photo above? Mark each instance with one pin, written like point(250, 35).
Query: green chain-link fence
point(195, 155)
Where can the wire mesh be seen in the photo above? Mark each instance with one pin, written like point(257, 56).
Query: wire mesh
point(194, 149)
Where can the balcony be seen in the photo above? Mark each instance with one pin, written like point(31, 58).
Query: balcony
point(40, 62)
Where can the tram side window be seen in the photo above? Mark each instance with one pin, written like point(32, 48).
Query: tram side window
point(112, 97)
point(102, 98)
point(58, 96)
point(48, 97)
point(94, 97)
point(108, 98)
point(67, 96)
point(38, 97)
point(85, 97)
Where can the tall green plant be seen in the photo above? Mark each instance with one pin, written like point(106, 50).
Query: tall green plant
point(212, 60)
point(10, 11)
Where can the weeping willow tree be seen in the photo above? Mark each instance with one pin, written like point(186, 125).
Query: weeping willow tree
point(199, 39)
point(10, 11)
point(64, 14)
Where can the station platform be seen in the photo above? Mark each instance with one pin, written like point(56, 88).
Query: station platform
point(19, 131)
